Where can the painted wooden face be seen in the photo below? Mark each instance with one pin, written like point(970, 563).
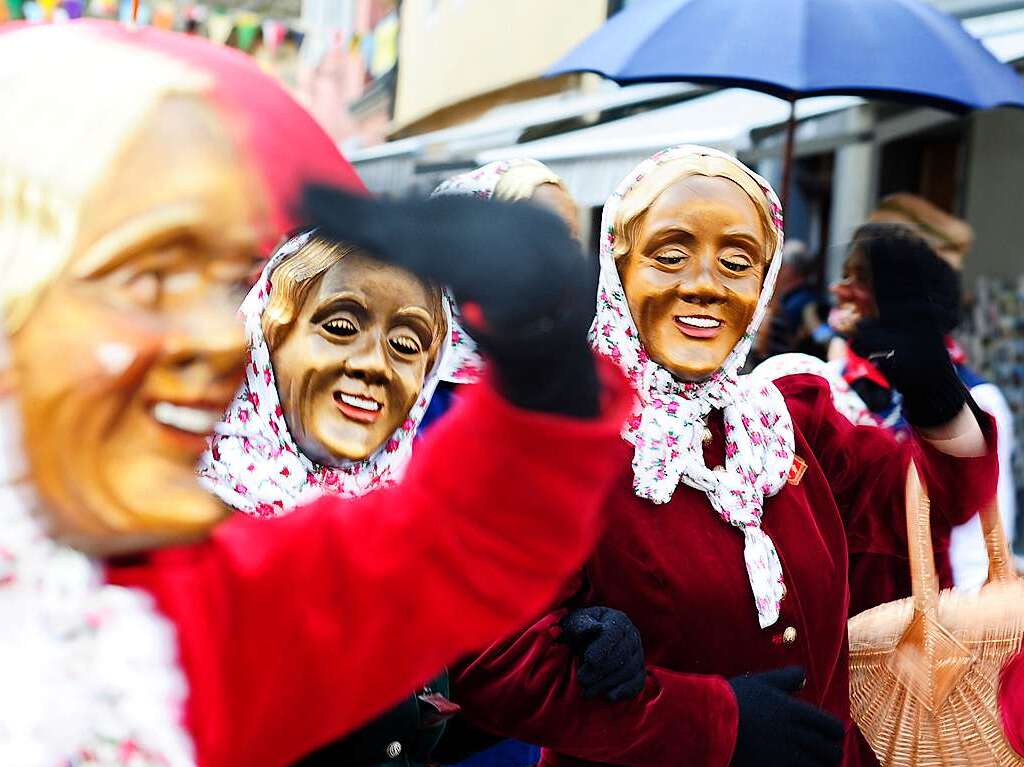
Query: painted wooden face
point(353, 363)
point(854, 294)
point(694, 274)
point(135, 349)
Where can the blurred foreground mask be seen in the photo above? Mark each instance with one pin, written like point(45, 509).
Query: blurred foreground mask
point(142, 175)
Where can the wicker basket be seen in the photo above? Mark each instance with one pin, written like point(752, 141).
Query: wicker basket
point(924, 671)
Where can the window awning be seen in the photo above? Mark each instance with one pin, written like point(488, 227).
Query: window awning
point(592, 160)
point(1001, 33)
point(391, 167)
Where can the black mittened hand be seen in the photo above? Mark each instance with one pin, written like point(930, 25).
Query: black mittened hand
point(776, 729)
point(526, 292)
point(609, 652)
point(917, 296)
point(915, 361)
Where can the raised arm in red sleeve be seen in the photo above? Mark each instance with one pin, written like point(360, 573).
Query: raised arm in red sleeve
point(866, 467)
point(295, 630)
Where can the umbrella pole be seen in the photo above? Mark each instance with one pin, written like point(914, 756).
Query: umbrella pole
point(787, 154)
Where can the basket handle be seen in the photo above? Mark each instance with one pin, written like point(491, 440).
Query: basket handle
point(923, 579)
point(1000, 561)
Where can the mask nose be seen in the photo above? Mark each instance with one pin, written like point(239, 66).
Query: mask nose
point(206, 356)
point(702, 286)
point(368, 361)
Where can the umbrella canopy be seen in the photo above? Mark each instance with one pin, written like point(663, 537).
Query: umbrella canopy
point(892, 49)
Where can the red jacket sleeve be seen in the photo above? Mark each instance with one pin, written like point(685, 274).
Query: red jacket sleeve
point(866, 468)
point(521, 686)
point(294, 631)
point(1011, 702)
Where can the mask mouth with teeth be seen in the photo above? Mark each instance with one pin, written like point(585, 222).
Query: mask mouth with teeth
point(345, 354)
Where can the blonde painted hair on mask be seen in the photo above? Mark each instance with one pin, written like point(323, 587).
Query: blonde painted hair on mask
point(629, 217)
point(521, 180)
point(294, 278)
point(50, 112)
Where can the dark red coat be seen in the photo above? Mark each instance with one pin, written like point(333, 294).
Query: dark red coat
point(677, 570)
point(295, 630)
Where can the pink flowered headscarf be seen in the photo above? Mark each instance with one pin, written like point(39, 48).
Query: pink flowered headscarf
point(668, 424)
point(254, 465)
point(481, 182)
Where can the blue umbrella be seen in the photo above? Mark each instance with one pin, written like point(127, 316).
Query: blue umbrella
point(902, 50)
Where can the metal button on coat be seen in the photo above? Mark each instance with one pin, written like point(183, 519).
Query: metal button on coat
point(789, 635)
point(394, 749)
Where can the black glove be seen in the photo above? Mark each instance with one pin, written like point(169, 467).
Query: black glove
point(917, 295)
point(776, 729)
point(609, 652)
point(526, 291)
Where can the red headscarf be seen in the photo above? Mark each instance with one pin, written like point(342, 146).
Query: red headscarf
point(277, 135)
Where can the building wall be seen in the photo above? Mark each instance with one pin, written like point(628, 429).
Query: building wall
point(994, 203)
point(452, 51)
point(333, 72)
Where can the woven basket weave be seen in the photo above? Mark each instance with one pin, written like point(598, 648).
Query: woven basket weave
point(924, 671)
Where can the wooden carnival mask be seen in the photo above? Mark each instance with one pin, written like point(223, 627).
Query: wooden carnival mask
point(692, 264)
point(351, 341)
point(133, 352)
point(134, 201)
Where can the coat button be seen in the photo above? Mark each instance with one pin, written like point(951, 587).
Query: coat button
point(789, 635)
point(394, 749)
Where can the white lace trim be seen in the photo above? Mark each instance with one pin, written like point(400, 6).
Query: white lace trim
point(89, 673)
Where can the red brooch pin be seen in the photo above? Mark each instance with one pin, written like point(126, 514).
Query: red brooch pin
point(796, 470)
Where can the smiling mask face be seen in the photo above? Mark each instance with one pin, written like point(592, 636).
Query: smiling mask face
point(350, 364)
point(693, 273)
point(132, 353)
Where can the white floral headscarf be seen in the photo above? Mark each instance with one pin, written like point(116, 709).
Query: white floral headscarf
point(254, 465)
point(481, 182)
point(668, 424)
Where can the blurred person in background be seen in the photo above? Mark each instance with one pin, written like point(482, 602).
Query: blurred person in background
point(910, 227)
point(796, 320)
point(952, 238)
point(892, 261)
point(516, 180)
point(139, 624)
point(604, 641)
